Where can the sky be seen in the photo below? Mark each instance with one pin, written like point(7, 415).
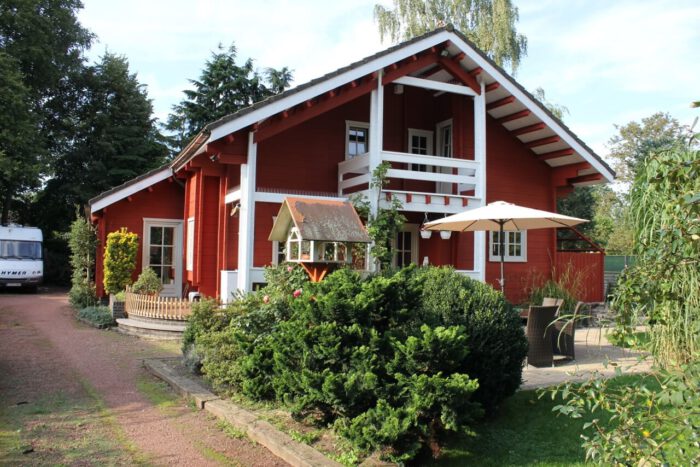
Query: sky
point(608, 62)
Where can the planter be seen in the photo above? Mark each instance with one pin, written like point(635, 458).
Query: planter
point(445, 234)
point(117, 307)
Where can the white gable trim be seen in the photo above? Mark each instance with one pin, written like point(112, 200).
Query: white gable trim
point(131, 189)
point(530, 105)
point(328, 85)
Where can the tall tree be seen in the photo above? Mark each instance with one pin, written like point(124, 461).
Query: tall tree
point(490, 24)
point(19, 162)
point(115, 139)
point(635, 141)
point(45, 42)
point(224, 87)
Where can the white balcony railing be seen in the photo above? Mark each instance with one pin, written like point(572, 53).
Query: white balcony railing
point(354, 176)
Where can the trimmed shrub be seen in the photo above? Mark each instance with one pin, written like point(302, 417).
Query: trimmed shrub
point(497, 345)
point(148, 283)
point(99, 315)
point(82, 241)
point(120, 259)
point(392, 360)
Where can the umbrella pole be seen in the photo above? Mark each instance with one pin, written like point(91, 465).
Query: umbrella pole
point(502, 242)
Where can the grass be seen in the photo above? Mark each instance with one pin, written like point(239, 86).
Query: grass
point(525, 433)
point(64, 429)
point(157, 392)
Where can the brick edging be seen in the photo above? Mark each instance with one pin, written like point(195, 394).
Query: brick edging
point(261, 431)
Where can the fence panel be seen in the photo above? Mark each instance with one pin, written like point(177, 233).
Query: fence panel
point(153, 306)
point(590, 266)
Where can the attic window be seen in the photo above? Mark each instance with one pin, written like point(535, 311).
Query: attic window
point(356, 138)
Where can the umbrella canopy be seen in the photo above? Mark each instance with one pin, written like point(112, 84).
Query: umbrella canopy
point(501, 216)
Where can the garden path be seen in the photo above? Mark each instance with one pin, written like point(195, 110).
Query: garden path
point(43, 350)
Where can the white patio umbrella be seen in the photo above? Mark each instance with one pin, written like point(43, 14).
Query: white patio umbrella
point(501, 216)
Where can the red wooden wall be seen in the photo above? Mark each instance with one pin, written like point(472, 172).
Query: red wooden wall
point(166, 201)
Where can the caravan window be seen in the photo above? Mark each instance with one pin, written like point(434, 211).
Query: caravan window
point(19, 249)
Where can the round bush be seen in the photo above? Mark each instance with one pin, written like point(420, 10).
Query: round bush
point(497, 345)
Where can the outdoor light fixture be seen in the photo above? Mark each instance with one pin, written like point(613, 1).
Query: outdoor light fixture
point(235, 210)
point(425, 234)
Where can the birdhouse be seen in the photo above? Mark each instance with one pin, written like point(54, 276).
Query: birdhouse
point(318, 234)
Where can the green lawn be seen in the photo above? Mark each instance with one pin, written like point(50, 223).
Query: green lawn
point(525, 432)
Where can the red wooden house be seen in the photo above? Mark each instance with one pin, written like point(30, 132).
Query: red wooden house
point(457, 129)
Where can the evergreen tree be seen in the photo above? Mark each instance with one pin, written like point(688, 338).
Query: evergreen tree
point(223, 88)
point(490, 24)
point(115, 139)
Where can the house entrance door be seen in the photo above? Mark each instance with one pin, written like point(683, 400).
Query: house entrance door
point(162, 252)
point(444, 149)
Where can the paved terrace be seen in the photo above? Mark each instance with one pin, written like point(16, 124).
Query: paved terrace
point(592, 351)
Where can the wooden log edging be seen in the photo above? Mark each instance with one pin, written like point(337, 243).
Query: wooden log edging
point(260, 431)
point(154, 306)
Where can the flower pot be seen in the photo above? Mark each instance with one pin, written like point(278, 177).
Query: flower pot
point(425, 234)
point(445, 234)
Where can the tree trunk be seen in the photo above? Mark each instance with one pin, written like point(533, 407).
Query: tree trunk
point(6, 207)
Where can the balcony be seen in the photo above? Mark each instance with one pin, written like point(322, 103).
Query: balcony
point(446, 177)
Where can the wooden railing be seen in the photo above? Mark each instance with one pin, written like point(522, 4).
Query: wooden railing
point(153, 306)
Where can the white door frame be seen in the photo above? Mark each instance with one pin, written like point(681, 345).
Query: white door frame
point(175, 289)
point(439, 146)
point(414, 230)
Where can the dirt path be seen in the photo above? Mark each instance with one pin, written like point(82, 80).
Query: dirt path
point(44, 350)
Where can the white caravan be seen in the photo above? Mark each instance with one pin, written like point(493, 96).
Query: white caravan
point(21, 258)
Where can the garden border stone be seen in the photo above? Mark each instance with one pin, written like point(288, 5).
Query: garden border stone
point(261, 431)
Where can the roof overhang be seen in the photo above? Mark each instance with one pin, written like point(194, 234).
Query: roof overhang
point(129, 188)
point(507, 102)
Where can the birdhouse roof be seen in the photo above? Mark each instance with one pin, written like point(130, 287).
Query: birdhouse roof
point(319, 219)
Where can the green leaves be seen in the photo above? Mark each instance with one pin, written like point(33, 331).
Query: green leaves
point(224, 87)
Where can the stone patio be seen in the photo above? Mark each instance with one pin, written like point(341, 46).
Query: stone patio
point(592, 351)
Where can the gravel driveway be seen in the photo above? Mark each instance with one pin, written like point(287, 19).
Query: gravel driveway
point(43, 348)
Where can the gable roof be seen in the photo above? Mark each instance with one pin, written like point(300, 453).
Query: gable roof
point(548, 137)
point(507, 98)
point(129, 188)
point(317, 219)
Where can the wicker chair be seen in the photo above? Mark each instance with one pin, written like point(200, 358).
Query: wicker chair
point(564, 333)
point(539, 335)
point(550, 301)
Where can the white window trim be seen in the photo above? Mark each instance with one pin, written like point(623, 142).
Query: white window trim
point(356, 124)
point(413, 228)
point(174, 289)
point(438, 138)
point(276, 247)
point(507, 258)
point(189, 250)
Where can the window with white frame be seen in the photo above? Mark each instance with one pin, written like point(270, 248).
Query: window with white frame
point(406, 246)
point(420, 142)
point(514, 246)
point(356, 138)
point(190, 244)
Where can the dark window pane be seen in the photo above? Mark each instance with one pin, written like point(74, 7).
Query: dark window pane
point(168, 235)
point(156, 255)
point(168, 255)
point(156, 235)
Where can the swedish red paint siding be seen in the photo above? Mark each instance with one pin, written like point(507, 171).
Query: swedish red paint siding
point(514, 175)
point(166, 201)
